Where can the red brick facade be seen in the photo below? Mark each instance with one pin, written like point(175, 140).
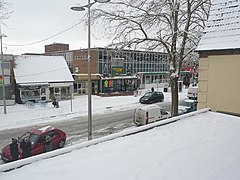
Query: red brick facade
point(56, 47)
point(81, 61)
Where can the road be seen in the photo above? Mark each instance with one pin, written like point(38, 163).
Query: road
point(77, 128)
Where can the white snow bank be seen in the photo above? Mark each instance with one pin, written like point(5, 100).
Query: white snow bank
point(205, 146)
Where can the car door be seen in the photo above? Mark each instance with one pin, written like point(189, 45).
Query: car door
point(157, 97)
point(55, 137)
point(154, 97)
point(39, 146)
point(164, 114)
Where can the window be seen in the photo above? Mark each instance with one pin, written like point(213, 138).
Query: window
point(52, 133)
point(41, 139)
point(163, 112)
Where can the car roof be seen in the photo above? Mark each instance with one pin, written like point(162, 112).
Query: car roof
point(42, 130)
point(152, 106)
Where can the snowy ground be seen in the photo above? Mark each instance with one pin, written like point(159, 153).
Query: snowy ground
point(23, 115)
point(205, 146)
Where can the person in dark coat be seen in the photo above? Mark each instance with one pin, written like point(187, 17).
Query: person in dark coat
point(26, 147)
point(152, 89)
point(55, 103)
point(14, 149)
point(49, 146)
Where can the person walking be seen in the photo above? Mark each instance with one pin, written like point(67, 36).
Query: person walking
point(14, 149)
point(55, 103)
point(26, 147)
point(49, 146)
point(152, 89)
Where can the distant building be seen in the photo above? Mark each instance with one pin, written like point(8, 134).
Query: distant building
point(106, 64)
point(56, 47)
point(42, 78)
point(219, 67)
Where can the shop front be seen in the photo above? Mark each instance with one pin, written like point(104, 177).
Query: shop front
point(118, 84)
point(81, 83)
point(43, 92)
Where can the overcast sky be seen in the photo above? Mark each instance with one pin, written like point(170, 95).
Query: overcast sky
point(34, 21)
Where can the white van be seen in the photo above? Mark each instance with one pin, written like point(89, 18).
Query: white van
point(192, 92)
point(148, 114)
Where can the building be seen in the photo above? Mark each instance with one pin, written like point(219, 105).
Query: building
point(56, 47)
point(42, 78)
point(118, 68)
point(112, 70)
point(219, 67)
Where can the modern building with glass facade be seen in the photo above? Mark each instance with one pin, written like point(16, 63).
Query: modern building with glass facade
point(109, 66)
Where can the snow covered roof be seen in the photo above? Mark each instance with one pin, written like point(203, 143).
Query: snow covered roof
point(204, 146)
point(39, 69)
point(222, 30)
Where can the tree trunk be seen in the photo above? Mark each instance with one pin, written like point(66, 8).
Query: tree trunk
point(174, 90)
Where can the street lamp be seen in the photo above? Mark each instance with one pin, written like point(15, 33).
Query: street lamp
point(2, 67)
point(82, 8)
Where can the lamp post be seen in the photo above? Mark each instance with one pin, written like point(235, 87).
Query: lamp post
point(2, 67)
point(82, 8)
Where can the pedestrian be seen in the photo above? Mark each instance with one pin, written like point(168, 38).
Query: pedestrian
point(152, 89)
point(55, 103)
point(49, 146)
point(26, 147)
point(14, 149)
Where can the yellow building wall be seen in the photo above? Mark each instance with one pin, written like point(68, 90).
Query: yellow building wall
point(219, 83)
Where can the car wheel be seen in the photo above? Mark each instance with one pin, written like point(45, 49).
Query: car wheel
point(61, 143)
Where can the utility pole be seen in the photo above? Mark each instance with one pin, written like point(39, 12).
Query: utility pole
point(2, 67)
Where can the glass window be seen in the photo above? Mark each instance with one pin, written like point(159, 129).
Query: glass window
point(52, 133)
point(41, 139)
point(163, 112)
point(57, 90)
point(32, 137)
point(100, 55)
point(6, 65)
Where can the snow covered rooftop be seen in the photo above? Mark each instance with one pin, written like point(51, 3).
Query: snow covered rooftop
point(222, 30)
point(204, 146)
point(41, 69)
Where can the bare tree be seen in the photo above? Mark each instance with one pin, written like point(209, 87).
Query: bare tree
point(172, 26)
point(5, 10)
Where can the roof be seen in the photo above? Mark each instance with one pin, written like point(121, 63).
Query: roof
point(222, 29)
point(41, 69)
point(42, 130)
point(151, 106)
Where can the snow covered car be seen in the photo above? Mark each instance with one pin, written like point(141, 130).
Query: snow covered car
point(187, 106)
point(37, 138)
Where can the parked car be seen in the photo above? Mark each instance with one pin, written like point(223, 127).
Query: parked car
point(152, 97)
point(192, 92)
point(187, 106)
point(148, 114)
point(37, 138)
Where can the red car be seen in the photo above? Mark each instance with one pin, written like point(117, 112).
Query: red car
point(37, 138)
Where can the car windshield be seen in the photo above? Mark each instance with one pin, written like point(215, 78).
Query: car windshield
point(185, 103)
point(32, 137)
point(148, 94)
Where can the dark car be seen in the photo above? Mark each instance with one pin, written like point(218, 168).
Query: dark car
point(37, 138)
point(187, 106)
point(152, 97)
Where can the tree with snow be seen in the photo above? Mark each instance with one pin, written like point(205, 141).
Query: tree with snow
point(5, 10)
point(172, 26)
